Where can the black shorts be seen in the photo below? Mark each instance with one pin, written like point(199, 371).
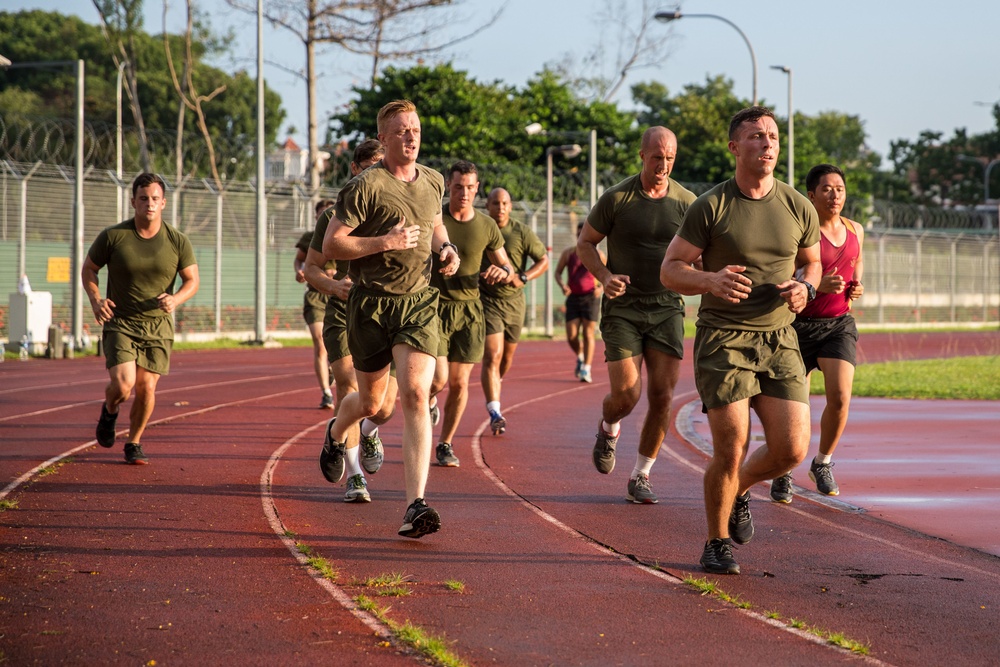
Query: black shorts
point(583, 307)
point(827, 338)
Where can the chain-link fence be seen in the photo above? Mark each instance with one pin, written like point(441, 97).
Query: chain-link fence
point(916, 272)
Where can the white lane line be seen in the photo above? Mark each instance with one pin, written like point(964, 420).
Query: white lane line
point(55, 459)
point(274, 519)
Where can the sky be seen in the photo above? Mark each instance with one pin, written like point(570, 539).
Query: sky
point(902, 67)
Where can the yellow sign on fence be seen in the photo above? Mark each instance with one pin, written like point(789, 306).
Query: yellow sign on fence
point(58, 271)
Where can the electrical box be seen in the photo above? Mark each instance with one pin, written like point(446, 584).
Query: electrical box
point(30, 314)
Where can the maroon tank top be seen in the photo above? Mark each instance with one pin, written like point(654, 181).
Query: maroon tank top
point(843, 258)
point(581, 281)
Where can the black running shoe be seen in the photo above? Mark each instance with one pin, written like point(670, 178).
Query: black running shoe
point(419, 520)
point(781, 488)
point(332, 460)
point(717, 558)
point(823, 476)
point(446, 455)
point(106, 427)
point(134, 455)
point(604, 451)
point(740, 521)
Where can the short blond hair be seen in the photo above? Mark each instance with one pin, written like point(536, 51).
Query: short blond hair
point(393, 109)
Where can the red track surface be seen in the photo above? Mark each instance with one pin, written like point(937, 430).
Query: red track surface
point(187, 561)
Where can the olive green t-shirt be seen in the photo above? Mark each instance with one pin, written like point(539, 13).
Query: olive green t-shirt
point(520, 243)
point(139, 270)
point(764, 235)
point(639, 229)
point(316, 243)
point(372, 204)
point(473, 238)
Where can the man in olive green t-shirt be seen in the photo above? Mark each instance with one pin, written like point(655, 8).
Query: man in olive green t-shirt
point(314, 310)
point(753, 234)
point(387, 222)
point(504, 303)
point(460, 311)
point(641, 321)
point(144, 256)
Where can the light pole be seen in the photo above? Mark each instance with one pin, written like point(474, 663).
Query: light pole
point(791, 125)
point(571, 151)
point(987, 168)
point(675, 15)
point(536, 128)
point(118, 140)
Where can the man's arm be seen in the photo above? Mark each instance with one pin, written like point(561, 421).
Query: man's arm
point(586, 248)
point(810, 270)
point(677, 272)
point(561, 266)
point(539, 267)
point(856, 288)
point(190, 281)
point(443, 248)
point(317, 276)
point(499, 270)
point(300, 264)
point(338, 243)
point(103, 308)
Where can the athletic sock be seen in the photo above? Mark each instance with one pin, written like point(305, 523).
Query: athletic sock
point(643, 464)
point(585, 368)
point(327, 392)
point(611, 429)
point(493, 407)
point(353, 459)
point(823, 459)
point(368, 427)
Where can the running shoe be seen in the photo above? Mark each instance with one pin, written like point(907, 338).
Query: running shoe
point(372, 453)
point(419, 520)
point(134, 455)
point(717, 558)
point(781, 488)
point(327, 402)
point(497, 423)
point(740, 521)
point(446, 456)
point(357, 490)
point(332, 460)
point(435, 415)
point(579, 367)
point(585, 376)
point(640, 492)
point(823, 476)
point(106, 427)
point(604, 451)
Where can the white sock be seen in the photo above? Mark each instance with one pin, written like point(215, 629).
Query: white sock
point(823, 459)
point(368, 427)
point(579, 357)
point(643, 464)
point(611, 429)
point(585, 368)
point(353, 459)
point(327, 392)
point(493, 406)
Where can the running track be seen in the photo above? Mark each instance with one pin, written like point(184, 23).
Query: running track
point(193, 559)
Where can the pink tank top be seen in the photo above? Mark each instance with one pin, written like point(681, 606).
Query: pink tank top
point(843, 258)
point(581, 281)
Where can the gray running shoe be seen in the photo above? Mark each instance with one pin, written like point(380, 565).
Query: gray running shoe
point(446, 456)
point(781, 488)
point(823, 476)
point(134, 455)
point(585, 376)
point(579, 367)
point(327, 402)
point(106, 427)
point(497, 423)
point(419, 520)
point(640, 492)
point(357, 490)
point(332, 459)
point(604, 451)
point(372, 453)
point(717, 558)
point(740, 521)
point(435, 415)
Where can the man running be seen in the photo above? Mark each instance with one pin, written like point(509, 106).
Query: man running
point(583, 307)
point(314, 310)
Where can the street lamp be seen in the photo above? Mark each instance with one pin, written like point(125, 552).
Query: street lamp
point(675, 15)
point(791, 125)
point(570, 151)
point(987, 168)
point(118, 141)
point(537, 128)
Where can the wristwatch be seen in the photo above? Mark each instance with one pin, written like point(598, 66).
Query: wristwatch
point(810, 289)
point(448, 244)
point(523, 277)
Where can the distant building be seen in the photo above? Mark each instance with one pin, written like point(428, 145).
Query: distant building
point(290, 163)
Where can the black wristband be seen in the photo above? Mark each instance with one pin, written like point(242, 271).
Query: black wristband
point(448, 244)
point(523, 277)
point(810, 291)
point(506, 267)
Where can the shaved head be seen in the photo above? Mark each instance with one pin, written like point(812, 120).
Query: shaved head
point(654, 135)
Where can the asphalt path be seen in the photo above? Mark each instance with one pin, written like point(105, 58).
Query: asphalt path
point(201, 556)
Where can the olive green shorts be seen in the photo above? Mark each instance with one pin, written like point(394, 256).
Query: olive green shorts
point(380, 321)
point(463, 331)
point(631, 324)
point(505, 315)
point(313, 306)
point(151, 354)
point(731, 366)
point(335, 329)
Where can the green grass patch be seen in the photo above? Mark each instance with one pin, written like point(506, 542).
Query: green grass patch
point(394, 592)
point(54, 468)
point(318, 563)
point(6, 504)
point(435, 649)
point(965, 378)
point(455, 585)
point(386, 579)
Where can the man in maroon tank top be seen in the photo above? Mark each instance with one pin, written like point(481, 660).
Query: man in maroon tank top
point(827, 332)
point(583, 307)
